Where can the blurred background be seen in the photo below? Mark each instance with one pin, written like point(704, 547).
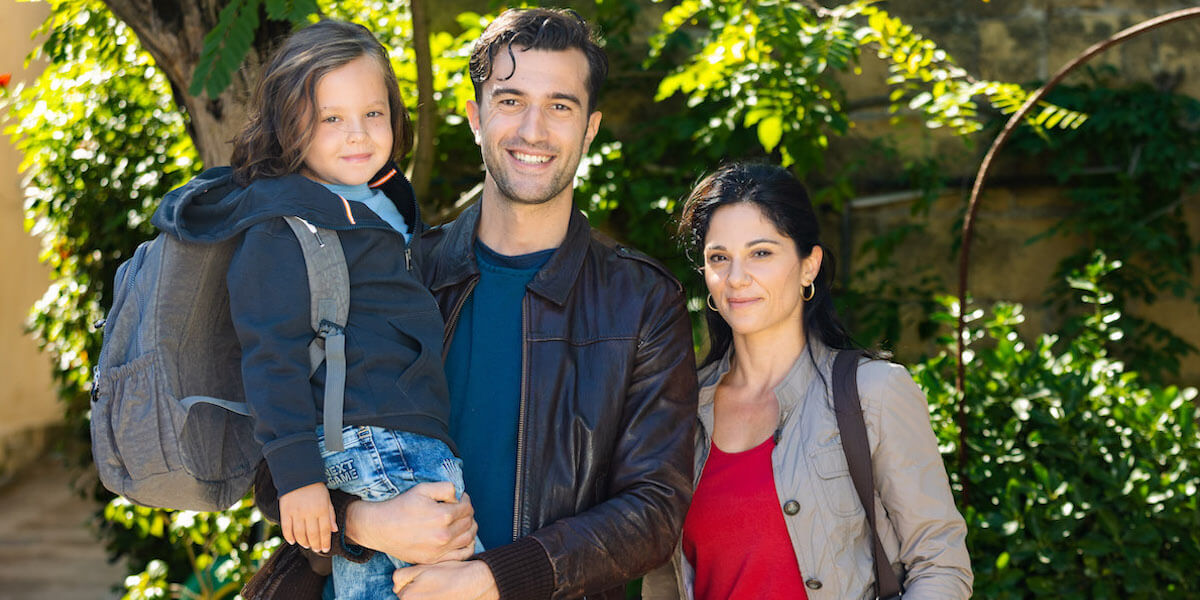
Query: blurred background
point(1073, 452)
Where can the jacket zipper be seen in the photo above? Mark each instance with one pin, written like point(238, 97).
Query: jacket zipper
point(521, 416)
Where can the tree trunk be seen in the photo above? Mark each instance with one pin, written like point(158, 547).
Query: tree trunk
point(421, 167)
point(173, 33)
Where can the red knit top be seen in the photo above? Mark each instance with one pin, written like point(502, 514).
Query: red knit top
point(734, 534)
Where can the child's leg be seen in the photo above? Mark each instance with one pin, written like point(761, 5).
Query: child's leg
point(360, 470)
point(431, 460)
point(379, 464)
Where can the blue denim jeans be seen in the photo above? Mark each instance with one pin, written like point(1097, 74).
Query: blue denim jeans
point(379, 464)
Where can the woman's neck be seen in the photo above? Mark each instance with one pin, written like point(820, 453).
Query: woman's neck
point(763, 359)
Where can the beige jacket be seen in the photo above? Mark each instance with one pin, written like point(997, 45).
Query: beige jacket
point(920, 527)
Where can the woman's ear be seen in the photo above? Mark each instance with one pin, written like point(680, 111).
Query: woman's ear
point(811, 265)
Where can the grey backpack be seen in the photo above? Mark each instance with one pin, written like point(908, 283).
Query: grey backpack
point(170, 425)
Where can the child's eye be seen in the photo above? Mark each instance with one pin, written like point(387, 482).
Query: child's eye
point(376, 113)
point(331, 119)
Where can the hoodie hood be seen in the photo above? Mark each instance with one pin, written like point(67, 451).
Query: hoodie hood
point(212, 208)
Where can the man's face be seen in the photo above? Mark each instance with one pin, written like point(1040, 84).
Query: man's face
point(533, 127)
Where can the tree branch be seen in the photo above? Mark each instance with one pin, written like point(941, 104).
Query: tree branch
point(421, 166)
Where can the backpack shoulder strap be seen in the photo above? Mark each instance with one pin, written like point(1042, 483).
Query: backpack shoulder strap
point(848, 410)
point(329, 289)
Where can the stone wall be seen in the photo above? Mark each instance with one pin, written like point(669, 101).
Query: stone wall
point(27, 402)
point(1024, 41)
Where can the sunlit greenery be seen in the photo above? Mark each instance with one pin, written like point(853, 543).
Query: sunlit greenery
point(1082, 475)
point(718, 79)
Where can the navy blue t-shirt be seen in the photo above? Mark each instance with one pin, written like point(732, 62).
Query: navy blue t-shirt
point(483, 367)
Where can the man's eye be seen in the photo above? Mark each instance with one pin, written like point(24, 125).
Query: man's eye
point(560, 107)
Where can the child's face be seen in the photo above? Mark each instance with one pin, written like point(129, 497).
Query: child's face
point(352, 138)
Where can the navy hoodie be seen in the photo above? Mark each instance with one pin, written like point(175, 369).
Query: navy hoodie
point(394, 376)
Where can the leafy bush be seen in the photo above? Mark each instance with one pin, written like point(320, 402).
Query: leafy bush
point(1081, 478)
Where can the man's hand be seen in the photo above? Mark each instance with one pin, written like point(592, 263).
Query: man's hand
point(424, 525)
point(451, 580)
point(306, 517)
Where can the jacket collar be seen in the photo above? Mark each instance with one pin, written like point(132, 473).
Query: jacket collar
point(790, 391)
point(455, 262)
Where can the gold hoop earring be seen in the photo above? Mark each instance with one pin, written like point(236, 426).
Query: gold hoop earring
point(811, 288)
point(711, 305)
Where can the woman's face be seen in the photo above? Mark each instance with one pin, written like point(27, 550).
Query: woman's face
point(753, 271)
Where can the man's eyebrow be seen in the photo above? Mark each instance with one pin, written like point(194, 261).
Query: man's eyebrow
point(509, 91)
point(568, 97)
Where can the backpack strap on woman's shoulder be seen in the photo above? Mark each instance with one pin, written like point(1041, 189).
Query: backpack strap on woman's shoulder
point(848, 409)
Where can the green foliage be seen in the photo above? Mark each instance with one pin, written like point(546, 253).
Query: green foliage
point(743, 79)
point(1128, 171)
point(769, 64)
point(1082, 476)
point(226, 46)
point(942, 91)
point(223, 549)
point(102, 143)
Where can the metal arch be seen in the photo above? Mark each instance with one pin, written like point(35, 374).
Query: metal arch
point(969, 221)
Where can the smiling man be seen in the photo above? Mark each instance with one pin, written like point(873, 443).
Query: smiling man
point(569, 356)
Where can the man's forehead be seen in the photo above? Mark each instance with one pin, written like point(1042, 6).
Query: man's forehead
point(563, 70)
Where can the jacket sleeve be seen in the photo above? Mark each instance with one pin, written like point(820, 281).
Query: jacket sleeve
point(269, 303)
point(636, 528)
point(663, 582)
point(911, 482)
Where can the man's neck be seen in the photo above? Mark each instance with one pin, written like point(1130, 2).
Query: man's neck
point(514, 229)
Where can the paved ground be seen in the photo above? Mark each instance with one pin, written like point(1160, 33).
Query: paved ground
point(47, 551)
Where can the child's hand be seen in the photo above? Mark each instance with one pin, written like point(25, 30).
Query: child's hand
point(306, 516)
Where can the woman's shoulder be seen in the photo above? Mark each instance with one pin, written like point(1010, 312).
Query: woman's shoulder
point(885, 383)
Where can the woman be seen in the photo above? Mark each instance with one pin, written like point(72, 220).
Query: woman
point(774, 513)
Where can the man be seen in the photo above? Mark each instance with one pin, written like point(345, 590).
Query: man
point(573, 390)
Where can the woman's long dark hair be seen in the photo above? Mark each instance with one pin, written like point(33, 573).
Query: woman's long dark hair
point(784, 201)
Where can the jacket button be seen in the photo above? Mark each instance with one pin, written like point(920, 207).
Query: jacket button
point(813, 583)
point(791, 507)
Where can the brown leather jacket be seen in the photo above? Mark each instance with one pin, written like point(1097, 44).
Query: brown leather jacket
point(607, 416)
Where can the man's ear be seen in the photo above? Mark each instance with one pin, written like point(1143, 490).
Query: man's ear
point(473, 118)
point(593, 126)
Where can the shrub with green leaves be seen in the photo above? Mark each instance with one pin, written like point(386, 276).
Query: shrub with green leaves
point(1081, 478)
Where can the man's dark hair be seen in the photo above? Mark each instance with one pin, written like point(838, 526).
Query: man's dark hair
point(538, 29)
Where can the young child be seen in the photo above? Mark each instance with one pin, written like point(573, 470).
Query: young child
point(326, 121)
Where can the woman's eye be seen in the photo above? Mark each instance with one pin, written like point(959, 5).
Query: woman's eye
point(762, 253)
point(715, 258)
